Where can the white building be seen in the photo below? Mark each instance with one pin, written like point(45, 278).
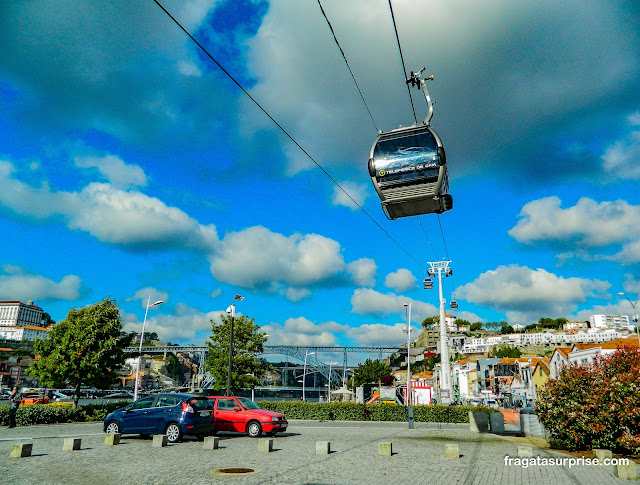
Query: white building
point(545, 338)
point(575, 326)
point(18, 314)
point(26, 332)
point(609, 321)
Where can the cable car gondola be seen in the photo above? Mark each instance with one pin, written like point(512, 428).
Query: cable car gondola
point(454, 305)
point(408, 167)
point(428, 283)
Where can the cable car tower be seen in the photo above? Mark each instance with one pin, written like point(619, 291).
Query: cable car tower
point(440, 268)
point(408, 165)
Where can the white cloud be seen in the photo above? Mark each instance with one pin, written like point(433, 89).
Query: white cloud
point(18, 284)
point(127, 218)
point(526, 295)
point(583, 227)
point(186, 324)
point(216, 293)
point(631, 284)
point(366, 301)
point(150, 295)
point(401, 280)
point(115, 170)
point(621, 159)
point(379, 335)
point(588, 223)
point(303, 332)
point(358, 192)
point(363, 271)
point(259, 258)
point(296, 294)
point(468, 316)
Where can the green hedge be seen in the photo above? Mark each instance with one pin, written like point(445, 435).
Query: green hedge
point(342, 411)
point(349, 411)
point(51, 414)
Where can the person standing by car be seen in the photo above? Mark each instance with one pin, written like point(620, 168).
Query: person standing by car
point(15, 398)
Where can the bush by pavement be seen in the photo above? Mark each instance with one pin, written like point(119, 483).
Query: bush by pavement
point(59, 413)
point(350, 411)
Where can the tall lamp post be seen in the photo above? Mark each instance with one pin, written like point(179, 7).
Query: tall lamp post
point(135, 388)
point(635, 317)
point(231, 311)
point(331, 364)
point(407, 308)
point(304, 373)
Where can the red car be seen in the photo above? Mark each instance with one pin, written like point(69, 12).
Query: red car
point(242, 415)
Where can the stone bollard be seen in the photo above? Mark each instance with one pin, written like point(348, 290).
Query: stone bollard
point(71, 444)
point(159, 441)
point(21, 450)
point(601, 454)
point(112, 439)
point(265, 445)
point(496, 420)
point(323, 447)
point(478, 421)
point(211, 443)
point(451, 451)
point(385, 449)
point(626, 472)
point(525, 451)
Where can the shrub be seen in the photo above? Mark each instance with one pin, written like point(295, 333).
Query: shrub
point(595, 406)
point(350, 411)
point(59, 413)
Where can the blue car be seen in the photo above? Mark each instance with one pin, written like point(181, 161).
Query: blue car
point(175, 415)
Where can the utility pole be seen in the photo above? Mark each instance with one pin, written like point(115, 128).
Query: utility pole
point(440, 268)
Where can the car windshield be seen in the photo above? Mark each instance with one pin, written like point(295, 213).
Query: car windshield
point(247, 403)
point(200, 403)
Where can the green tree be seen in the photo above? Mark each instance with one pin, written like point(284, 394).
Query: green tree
point(476, 326)
point(84, 349)
point(47, 320)
point(247, 345)
point(370, 372)
point(430, 321)
point(506, 329)
point(506, 351)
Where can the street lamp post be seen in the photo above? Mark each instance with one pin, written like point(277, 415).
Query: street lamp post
point(329, 383)
point(232, 311)
point(635, 317)
point(407, 307)
point(304, 373)
point(135, 388)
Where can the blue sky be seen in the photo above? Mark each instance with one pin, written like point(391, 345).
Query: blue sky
point(130, 166)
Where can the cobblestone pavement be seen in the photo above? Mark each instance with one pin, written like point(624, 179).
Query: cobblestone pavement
point(418, 458)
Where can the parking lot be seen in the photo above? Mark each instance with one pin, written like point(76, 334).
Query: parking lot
point(419, 458)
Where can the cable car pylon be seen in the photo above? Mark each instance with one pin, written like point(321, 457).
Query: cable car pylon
point(439, 268)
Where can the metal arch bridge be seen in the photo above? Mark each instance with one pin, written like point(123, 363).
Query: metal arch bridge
point(293, 351)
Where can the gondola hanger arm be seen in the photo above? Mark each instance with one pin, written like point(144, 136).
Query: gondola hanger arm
point(416, 80)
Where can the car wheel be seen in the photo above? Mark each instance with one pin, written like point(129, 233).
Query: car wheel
point(112, 428)
point(254, 429)
point(173, 432)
